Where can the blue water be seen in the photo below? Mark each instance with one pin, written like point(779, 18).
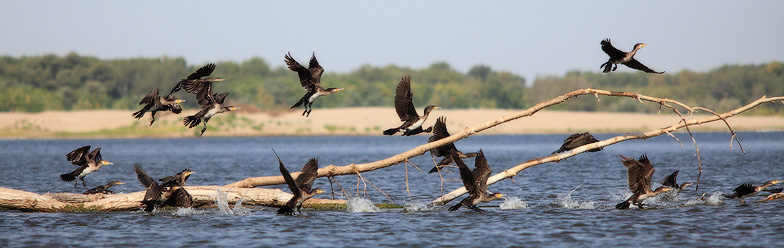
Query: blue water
point(566, 204)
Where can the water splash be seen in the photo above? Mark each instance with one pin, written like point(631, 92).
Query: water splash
point(223, 204)
point(566, 201)
point(185, 212)
point(715, 199)
point(513, 202)
point(361, 205)
point(418, 206)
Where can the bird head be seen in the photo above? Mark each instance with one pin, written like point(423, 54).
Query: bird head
point(116, 183)
point(179, 101)
point(684, 185)
point(431, 108)
point(639, 45)
point(772, 182)
point(104, 162)
point(333, 90)
point(214, 79)
point(498, 195)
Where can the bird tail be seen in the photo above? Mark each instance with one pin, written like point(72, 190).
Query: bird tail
point(455, 207)
point(286, 210)
point(301, 101)
point(623, 205)
point(191, 121)
point(68, 177)
point(140, 113)
point(607, 67)
point(390, 131)
point(559, 151)
point(434, 170)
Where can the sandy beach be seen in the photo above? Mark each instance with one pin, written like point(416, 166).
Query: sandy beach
point(342, 121)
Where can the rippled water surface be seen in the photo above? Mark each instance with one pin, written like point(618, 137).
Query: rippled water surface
point(562, 204)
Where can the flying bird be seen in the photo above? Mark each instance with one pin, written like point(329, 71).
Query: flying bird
point(301, 187)
point(639, 174)
point(412, 122)
point(440, 132)
point(619, 57)
point(196, 81)
point(154, 103)
point(87, 161)
point(747, 189)
point(475, 182)
point(310, 80)
point(211, 105)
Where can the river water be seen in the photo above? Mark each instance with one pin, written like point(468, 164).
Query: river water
point(564, 204)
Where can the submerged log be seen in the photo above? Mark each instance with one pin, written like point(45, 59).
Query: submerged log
point(11, 199)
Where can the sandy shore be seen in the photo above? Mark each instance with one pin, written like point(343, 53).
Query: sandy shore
point(344, 121)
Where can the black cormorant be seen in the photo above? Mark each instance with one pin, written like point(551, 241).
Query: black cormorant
point(440, 132)
point(103, 189)
point(475, 182)
point(154, 103)
point(156, 195)
point(577, 140)
point(619, 57)
point(87, 162)
point(299, 187)
point(639, 176)
point(310, 79)
point(670, 181)
point(196, 81)
point(746, 190)
point(210, 105)
point(412, 122)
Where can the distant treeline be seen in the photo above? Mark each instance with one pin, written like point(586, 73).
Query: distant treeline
point(73, 82)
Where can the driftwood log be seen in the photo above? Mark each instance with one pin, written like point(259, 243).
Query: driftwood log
point(28, 201)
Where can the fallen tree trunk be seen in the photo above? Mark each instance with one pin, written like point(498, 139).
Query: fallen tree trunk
point(11, 199)
point(511, 172)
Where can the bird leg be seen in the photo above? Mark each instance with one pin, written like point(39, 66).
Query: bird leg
point(308, 108)
point(475, 208)
point(152, 114)
point(75, 182)
point(84, 184)
point(615, 66)
point(205, 126)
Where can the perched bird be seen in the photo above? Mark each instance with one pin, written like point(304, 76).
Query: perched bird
point(87, 162)
point(639, 174)
point(475, 182)
point(155, 195)
point(211, 105)
point(196, 81)
point(440, 132)
point(670, 181)
point(310, 79)
point(103, 189)
point(154, 103)
point(746, 189)
point(299, 187)
point(619, 57)
point(577, 140)
point(412, 122)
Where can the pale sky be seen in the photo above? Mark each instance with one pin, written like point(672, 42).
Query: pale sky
point(526, 38)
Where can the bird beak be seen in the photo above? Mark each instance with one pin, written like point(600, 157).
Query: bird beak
point(319, 191)
point(104, 162)
point(179, 101)
point(437, 107)
point(118, 183)
point(188, 173)
point(234, 108)
point(643, 45)
point(667, 189)
point(221, 79)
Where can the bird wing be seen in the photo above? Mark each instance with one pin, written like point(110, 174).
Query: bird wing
point(633, 172)
point(204, 96)
point(180, 198)
point(150, 98)
point(305, 76)
point(308, 175)
point(315, 71)
point(440, 132)
point(744, 189)
point(669, 181)
point(403, 104)
point(287, 177)
point(634, 64)
point(95, 155)
point(609, 49)
point(202, 72)
point(647, 171)
point(79, 156)
point(145, 179)
point(465, 173)
point(220, 97)
point(481, 173)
